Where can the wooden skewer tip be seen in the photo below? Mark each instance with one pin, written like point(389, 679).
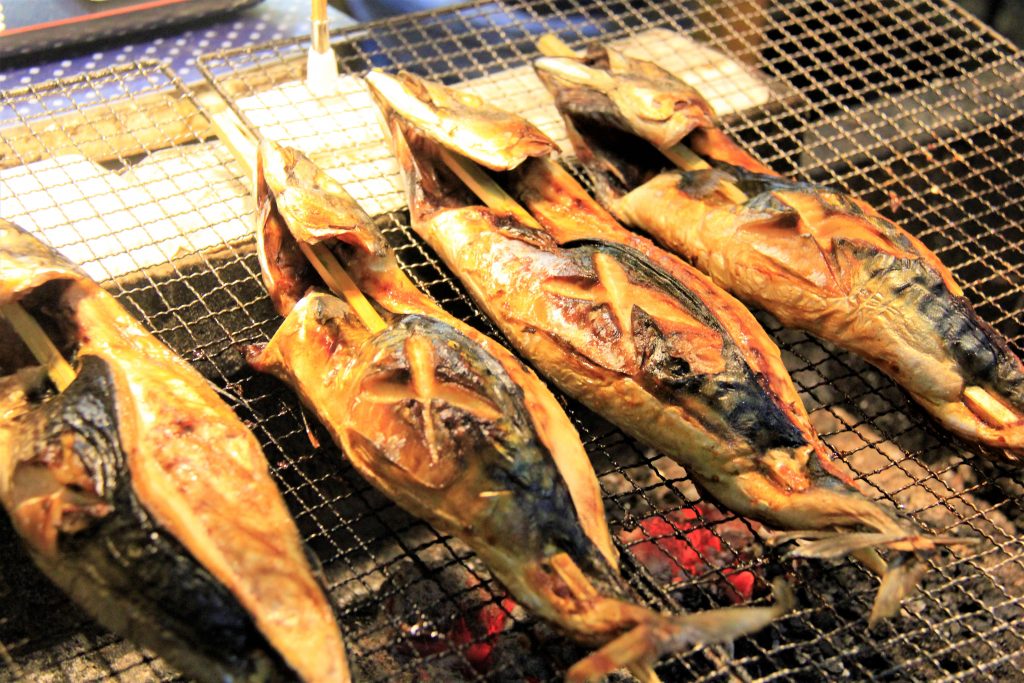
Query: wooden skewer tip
point(484, 187)
point(42, 347)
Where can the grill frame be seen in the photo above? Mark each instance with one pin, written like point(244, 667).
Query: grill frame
point(345, 521)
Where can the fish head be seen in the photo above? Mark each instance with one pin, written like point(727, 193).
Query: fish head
point(28, 263)
point(300, 205)
point(287, 273)
point(458, 120)
point(411, 127)
point(610, 89)
point(315, 206)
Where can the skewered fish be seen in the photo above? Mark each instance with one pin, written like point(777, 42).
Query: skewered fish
point(633, 332)
point(815, 258)
point(143, 496)
point(449, 425)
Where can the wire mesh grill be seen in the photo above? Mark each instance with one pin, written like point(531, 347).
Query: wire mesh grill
point(912, 105)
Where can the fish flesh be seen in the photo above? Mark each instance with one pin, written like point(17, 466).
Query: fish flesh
point(453, 428)
point(641, 338)
point(814, 257)
point(142, 495)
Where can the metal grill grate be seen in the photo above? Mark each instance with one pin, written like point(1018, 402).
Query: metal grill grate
point(914, 106)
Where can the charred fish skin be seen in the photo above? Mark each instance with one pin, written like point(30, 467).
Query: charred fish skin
point(162, 451)
point(734, 393)
point(456, 430)
point(105, 549)
point(815, 258)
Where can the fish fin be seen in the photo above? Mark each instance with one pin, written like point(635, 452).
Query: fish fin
point(871, 560)
point(642, 645)
point(645, 673)
point(899, 576)
point(703, 183)
point(902, 576)
point(832, 545)
point(836, 545)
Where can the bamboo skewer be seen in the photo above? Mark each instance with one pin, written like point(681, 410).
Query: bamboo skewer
point(321, 63)
point(682, 156)
point(229, 130)
point(484, 187)
point(42, 347)
point(988, 407)
point(339, 282)
point(688, 160)
point(552, 46)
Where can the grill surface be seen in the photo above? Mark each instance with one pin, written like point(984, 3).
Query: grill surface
point(913, 106)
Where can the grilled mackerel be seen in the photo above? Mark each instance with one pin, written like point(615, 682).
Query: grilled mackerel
point(635, 334)
point(449, 425)
point(143, 496)
point(815, 258)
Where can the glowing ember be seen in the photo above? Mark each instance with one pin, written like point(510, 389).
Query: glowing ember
point(491, 621)
point(675, 547)
point(474, 633)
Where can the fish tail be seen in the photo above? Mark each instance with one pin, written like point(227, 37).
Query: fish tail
point(899, 576)
point(993, 413)
point(638, 648)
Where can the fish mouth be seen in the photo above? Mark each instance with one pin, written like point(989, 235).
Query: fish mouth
point(314, 205)
point(609, 88)
point(459, 121)
point(44, 286)
point(430, 185)
point(298, 206)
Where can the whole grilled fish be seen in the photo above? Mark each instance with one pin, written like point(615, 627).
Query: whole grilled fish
point(815, 258)
point(449, 425)
point(142, 495)
point(637, 335)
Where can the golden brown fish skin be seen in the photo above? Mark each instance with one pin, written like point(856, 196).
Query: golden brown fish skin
point(654, 346)
point(815, 258)
point(434, 422)
point(148, 422)
point(536, 289)
point(449, 425)
point(340, 223)
point(566, 293)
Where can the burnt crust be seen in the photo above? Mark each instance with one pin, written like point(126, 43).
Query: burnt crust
point(125, 569)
